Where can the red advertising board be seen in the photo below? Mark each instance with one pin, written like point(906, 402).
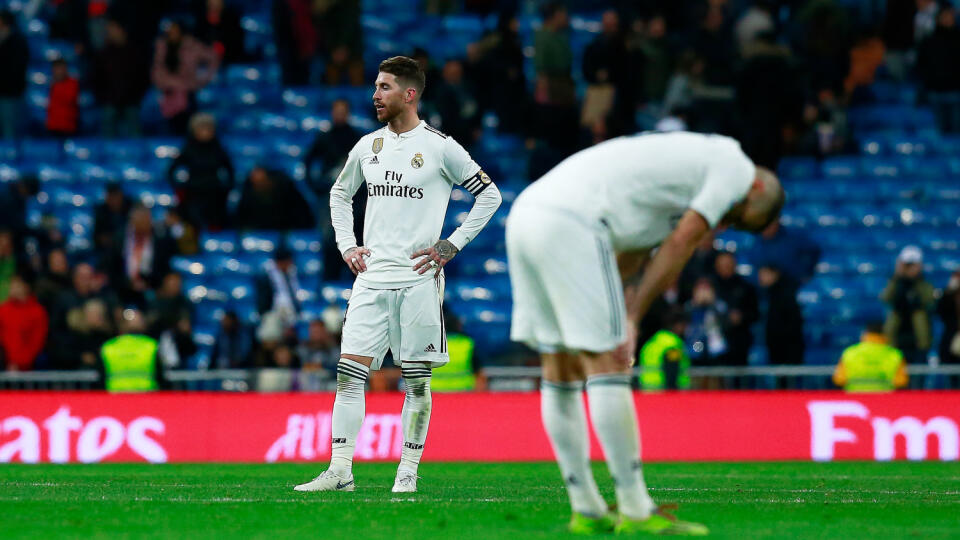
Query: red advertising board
point(694, 426)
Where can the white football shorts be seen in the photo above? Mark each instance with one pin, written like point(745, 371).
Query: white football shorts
point(407, 321)
point(567, 293)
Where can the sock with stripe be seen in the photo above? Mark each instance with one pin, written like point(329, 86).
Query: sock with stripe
point(565, 421)
point(415, 416)
point(614, 420)
point(349, 408)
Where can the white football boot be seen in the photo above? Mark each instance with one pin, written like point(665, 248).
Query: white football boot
point(406, 482)
point(328, 481)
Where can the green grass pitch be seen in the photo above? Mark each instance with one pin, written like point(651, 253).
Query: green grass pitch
point(466, 501)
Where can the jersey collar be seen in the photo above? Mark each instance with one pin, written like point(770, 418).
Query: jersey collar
point(406, 134)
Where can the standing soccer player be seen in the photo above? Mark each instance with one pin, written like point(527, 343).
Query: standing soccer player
point(599, 211)
point(409, 169)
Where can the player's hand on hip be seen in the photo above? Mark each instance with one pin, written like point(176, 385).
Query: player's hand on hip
point(626, 352)
point(354, 259)
point(434, 257)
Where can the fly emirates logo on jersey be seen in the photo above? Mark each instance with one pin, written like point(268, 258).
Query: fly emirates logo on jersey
point(393, 187)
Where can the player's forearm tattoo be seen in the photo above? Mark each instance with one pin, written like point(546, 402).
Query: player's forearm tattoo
point(445, 249)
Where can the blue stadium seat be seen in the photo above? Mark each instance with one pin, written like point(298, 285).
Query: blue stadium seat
point(9, 152)
point(480, 264)
point(336, 293)
point(219, 242)
point(840, 168)
point(303, 99)
point(151, 195)
point(41, 150)
point(259, 241)
point(92, 172)
point(244, 147)
point(273, 124)
point(9, 172)
point(84, 149)
point(191, 266)
point(221, 264)
point(312, 311)
point(309, 264)
point(163, 148)
point(304, 241)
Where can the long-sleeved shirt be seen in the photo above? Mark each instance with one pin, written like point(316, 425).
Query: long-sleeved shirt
point(409, 177)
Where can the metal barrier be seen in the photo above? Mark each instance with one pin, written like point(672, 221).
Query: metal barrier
point(500, 379)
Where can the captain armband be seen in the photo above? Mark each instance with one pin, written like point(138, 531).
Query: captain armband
point(477, 183)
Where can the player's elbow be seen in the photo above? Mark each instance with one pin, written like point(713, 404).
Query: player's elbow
point(493, 195)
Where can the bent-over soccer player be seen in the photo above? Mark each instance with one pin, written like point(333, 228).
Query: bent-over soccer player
point(397, 300)
point(574, 239)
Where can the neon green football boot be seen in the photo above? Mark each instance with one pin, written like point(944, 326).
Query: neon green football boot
point(660, 522)
point(585, 524)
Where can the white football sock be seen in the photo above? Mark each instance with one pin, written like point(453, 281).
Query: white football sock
point(348, 411)
point(565, 420)
point(614, 420)
point(415, 416)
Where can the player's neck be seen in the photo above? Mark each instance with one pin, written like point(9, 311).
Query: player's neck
point(404, 122)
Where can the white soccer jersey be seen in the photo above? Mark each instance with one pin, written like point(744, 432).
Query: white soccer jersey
point(408, 178)
point(640, 185)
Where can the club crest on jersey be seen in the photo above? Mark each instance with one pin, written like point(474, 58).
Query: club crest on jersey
point(484, 177)
point(417, 160)
point(377, 145)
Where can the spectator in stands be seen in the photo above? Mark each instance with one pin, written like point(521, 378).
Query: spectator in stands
point(54, 280)
point(140, 258)
point(948, 307)
point(67, 314)
point(63, 110)
point(169, 306)
point(871, 365)
point(23, 327)
point(339, 24)
point(276, 291)
point(271, 201)
point(131, 362)
point(705, 324)
point(925, 21)
point(825, 124)
point(651, 50)
point(756, 21)
point(701, 264)
point(740, 298)
point(218, 25)
point(109, 217)
point(498, 56)
point(936, 66)
point(8, 262)
point(296, 39)
point(911, 298)
point(898, 36)
point(554, 91)
point(791, 250)
point(608, 103)
point(90, 328)
point(120, 80)
point(203, 175)
point(714, 42)
point(181, 66)
point(320, 351)
point(233, 347)
point(13, 205)
point(177, 345)
point(453, 101)
point(183, 233)
point(783, 319)
point(330, 149)
point(14, 55)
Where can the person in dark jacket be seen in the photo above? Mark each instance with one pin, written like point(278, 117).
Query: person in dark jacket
point(233, 347)
point(784, 320)
point(140, 258)
point(791, 250)
point(218, 25)
point(948, 307)
point(14, 55)
point(120, 80)
point(742, 310)
point(203, 175)
point(270, 201)
point(110, 217)
point(936, 65)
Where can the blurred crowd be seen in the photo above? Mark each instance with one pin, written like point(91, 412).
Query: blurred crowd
point(776, 74)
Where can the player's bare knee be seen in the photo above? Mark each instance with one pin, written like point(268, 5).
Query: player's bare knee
point(365, 360)
point(602, 364)
point(562, 367)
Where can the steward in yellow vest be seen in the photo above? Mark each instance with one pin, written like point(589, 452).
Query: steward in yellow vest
point(871, 365)
point(130, 362)
point(457, 375)
point(664, 363)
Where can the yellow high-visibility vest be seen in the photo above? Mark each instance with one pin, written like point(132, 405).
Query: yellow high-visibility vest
point(871, 367)
point(130, 363)
point(457, 375)
point(664, 346)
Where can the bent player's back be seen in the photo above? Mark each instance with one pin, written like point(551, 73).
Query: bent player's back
point(640, 185)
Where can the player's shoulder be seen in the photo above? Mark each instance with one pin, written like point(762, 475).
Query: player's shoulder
point(369, 142)
point(434, 132)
